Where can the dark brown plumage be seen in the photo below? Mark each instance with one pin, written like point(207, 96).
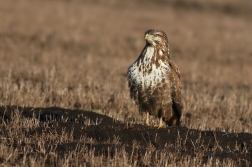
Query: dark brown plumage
point(154, 81)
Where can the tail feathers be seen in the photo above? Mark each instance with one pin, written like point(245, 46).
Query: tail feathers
point(177, 111)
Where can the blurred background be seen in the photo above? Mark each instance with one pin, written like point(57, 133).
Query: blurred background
point(75, 54)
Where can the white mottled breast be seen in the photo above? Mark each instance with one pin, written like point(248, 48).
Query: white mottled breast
point(138, 71)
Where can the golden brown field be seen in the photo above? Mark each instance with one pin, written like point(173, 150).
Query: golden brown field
point(63, 86)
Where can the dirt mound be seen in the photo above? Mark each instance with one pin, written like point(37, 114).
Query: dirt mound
point(106, 136)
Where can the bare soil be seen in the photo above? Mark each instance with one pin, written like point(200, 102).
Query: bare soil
point(109, 136)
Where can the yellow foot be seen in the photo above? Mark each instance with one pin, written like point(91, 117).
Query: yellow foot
point(147, 124)
point(158, 126)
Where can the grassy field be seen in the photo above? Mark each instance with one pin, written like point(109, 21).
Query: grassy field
point(73, 56)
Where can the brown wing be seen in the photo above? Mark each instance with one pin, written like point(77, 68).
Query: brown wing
point(133, 87)
point(176, 87)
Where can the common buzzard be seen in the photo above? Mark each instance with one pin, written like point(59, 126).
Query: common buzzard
point(154, 81)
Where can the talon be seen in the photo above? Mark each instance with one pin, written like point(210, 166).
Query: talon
point(147, 124)
point(160, 125)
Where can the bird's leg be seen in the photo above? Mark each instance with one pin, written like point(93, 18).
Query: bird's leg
point(147, 119)
point(160, 125)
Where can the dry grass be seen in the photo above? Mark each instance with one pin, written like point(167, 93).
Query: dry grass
point(74, 55)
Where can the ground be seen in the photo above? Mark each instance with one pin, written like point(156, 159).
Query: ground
point(63, 85)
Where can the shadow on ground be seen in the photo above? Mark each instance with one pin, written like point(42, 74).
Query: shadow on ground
point(105, 132)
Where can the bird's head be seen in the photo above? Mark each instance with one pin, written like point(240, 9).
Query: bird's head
point(156, 37)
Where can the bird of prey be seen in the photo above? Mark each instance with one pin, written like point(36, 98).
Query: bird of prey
point(154, 81)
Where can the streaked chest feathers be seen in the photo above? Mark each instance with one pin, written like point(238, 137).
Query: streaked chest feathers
point(149, 72)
